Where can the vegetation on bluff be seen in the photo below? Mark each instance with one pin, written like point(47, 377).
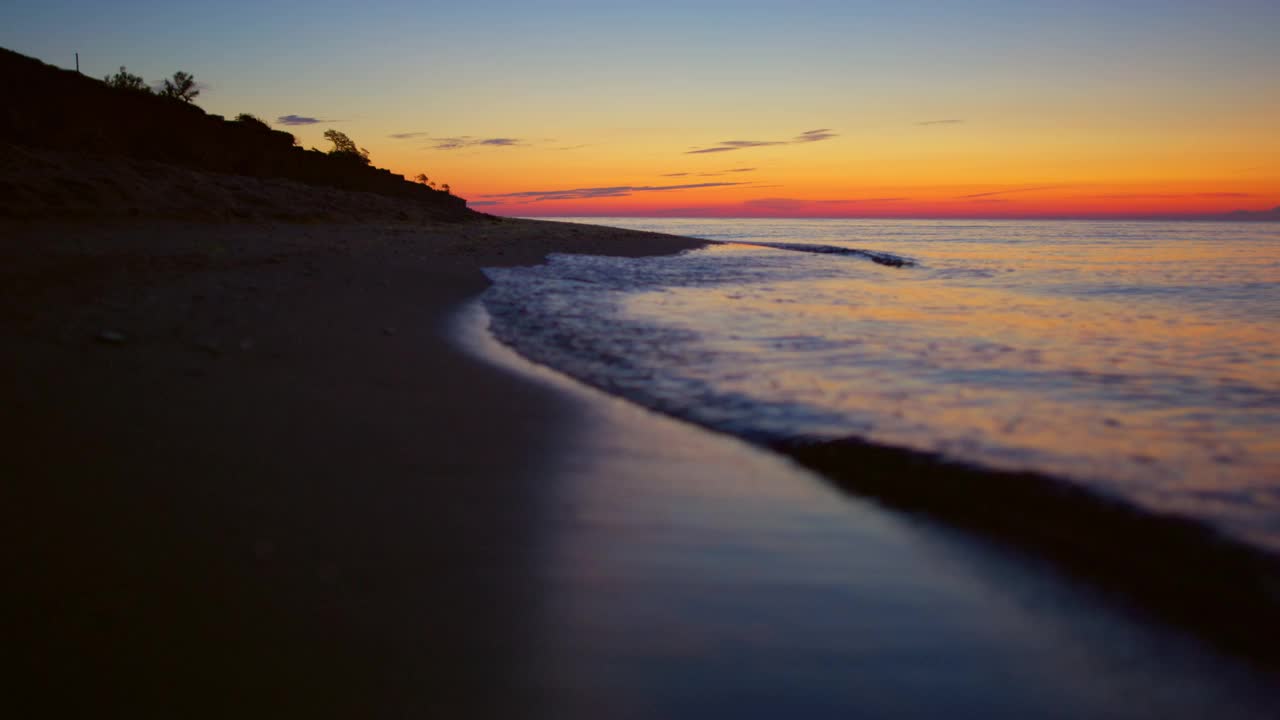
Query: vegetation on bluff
point(125, 80)
point(182, 86)
point(47, 107)
point(345, 148)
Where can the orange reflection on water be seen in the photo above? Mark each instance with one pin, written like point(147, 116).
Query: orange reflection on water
point(1153, 367)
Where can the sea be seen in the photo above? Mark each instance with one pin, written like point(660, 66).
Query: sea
point(1138, 361)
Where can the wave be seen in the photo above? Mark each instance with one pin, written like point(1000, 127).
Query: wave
point(568, 314)
point(875, 256)
point(1174, 568)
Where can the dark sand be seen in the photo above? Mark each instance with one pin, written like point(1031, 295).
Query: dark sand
point(248, 475)
point(253, 476)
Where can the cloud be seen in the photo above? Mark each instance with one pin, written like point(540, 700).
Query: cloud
point(783, 204)
point(466, 141)
point(591, 193)
point(298, 120)
point(775, 203)
point(717, 173)
point(940, 122)
point(1171, 196)
point(462, 141)
point(731, 145)
point(807, 136)
point(1007, 192)
point(862, 200)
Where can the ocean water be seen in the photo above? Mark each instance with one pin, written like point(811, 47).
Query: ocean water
point(1140, 360)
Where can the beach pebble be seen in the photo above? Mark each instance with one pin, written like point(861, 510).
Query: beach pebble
point(112, 337)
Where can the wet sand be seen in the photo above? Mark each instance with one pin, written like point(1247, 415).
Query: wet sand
point(258, 476)
point(252, 477)
point(681, 573)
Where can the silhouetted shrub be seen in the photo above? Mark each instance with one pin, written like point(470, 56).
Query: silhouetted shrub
point(181, 87)
point(344, 147)
point(126, 80)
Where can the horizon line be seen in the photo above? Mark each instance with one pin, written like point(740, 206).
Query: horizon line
point(1258, 218)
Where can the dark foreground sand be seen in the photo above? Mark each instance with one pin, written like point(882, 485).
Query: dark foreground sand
point(216, 444)
point(249, 474)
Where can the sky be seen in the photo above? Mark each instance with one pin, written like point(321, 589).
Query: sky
point(986, 108)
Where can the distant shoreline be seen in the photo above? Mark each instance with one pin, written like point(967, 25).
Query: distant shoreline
point(1259, 216)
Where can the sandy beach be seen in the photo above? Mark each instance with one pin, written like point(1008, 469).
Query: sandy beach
point(963, 407)
point(251, 471)
point(262, 472)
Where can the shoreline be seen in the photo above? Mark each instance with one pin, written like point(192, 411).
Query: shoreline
point(222, 434)
point(1177, 570)
point(709, 502)
point(224, 430)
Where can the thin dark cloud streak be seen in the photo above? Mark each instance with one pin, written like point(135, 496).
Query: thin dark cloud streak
point(591, 193)
point(862, 200)
point(467, 141)
point(717, 173)
point(791, 204)
point(950, 121)
point(1171, 196)
point(460, 141)
point(808, 136)
point(1007, 192)
point(299, 120)
point(814, 136)
point(752, 143)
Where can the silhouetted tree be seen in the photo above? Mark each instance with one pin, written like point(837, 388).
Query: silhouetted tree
point(344, 146)
point(181, 87)
point(126, 80)
point(445, 188)
point(420, 178)
point(341, 143)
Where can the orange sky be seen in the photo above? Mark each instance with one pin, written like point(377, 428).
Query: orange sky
point(745, 108)
point(954, 169)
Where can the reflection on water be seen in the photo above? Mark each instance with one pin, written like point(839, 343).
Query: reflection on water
point(685, 574)
point(1140, 358)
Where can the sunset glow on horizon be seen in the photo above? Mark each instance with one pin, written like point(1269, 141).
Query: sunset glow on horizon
point(743, 109)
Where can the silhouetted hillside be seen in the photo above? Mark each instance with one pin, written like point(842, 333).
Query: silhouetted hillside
point(47, 107)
